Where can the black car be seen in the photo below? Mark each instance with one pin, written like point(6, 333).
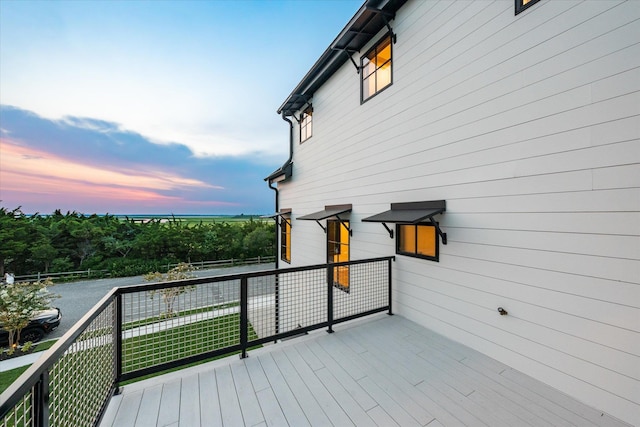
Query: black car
point(39, 326)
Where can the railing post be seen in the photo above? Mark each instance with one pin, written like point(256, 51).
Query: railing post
point(117, 331)
point(41, 401)
point(277, 297)
point(244, 316)
point(330, 297)
point(390, 281)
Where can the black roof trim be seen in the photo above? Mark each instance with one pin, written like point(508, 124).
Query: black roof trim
point(327, 212)
point(372, 16)
point(409, 213)
point(285, 171)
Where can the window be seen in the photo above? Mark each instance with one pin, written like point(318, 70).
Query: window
point(376, 69)
point(285, 239)
point(524, 4)
point(420, 241)
point(338, 251)
point(306, 125)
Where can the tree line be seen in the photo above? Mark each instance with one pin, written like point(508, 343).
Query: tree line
point(73, 241)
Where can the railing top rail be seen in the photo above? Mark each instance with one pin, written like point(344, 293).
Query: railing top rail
point(213, 279)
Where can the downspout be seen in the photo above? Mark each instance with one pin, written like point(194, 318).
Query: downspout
point(277, 194)
point(276, 189)
point(290, 137)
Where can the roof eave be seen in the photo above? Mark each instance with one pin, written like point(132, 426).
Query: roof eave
point(351, 38)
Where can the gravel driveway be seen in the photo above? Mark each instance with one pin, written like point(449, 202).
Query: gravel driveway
point(77, 298)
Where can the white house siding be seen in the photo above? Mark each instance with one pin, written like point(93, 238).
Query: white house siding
point(529, 127)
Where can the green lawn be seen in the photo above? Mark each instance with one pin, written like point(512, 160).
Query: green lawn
point(164, 346)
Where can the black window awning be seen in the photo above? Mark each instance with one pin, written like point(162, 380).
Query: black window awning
point(330, 211)
point(283, 214)
point(411, 213)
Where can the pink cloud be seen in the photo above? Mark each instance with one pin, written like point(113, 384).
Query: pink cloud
point(29, 176)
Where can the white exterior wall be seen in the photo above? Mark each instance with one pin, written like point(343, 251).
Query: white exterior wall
point(529, 127)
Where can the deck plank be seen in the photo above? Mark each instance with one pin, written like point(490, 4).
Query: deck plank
point(128, 410)
point(305, 398)
point(170, 404)
point(331, 408)
point(229, 404)
point(251, 412)
point(273, 414)
point(210, 412)
point(345, 399)
point(149, 407)
point(292, 410)
point(342, 376)
point(190, 401)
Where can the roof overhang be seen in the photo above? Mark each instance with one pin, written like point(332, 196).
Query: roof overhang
point(283, 173)
point(330, 211)
point(372, 17)
point(411, 213)
point(282, 215)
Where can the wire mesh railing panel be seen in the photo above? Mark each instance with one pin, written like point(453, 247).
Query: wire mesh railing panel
point(302, 299)
point(21, 415)
point(262, 306)
point(368, 289)
point(81, 380)
point(179, 321)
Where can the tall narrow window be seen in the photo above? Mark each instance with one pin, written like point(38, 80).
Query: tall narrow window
point(285, 239)
point(376, 69)
point(524, 4)
point(306, 125)
point(420, 241)
point(338, 251)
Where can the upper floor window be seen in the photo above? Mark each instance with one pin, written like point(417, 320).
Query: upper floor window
point(306, 125)
point(420, 241)
point(376, 69)
point(524, 4)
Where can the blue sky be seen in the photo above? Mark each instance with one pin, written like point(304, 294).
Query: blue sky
point(151, 106)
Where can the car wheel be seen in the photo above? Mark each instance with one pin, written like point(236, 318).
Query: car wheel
point(33, 335)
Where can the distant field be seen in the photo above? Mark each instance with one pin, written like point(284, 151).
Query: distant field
point(194, 219)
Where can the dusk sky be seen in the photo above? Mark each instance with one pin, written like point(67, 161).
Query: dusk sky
point(151, 106)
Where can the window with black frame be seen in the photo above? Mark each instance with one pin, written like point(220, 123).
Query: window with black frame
point(376, 69)
point(419, 241)
point(522, 5)
point(306, 125)
point(338, 251)
point(285, 239)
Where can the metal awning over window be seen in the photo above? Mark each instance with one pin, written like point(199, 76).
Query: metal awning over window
point(330, 211)
point(283, 215)
point(411, 213)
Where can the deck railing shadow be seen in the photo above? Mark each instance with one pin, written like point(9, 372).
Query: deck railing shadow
point(135, 331)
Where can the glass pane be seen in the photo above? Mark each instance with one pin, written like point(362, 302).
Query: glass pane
point(407, 239)
point(384, 76)
point(368, 68)
point(427, 240)
point(384, 54)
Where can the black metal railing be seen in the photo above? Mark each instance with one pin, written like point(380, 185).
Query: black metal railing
point(145, 329)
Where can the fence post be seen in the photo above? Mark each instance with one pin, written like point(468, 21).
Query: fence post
point(41, 401)
point(244, 316)
point(330, 298)
point(38, 276)
point(117, 332)
point(390, 281)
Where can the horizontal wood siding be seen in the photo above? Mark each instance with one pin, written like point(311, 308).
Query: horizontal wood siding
point(529, 127)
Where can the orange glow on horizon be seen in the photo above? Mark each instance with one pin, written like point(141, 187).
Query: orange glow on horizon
point(36, 174)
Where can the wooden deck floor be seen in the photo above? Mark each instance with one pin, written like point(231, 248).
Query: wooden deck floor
point(385, 371)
